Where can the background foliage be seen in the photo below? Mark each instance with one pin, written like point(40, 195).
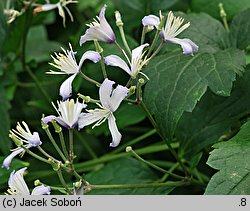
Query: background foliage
point(196, 101)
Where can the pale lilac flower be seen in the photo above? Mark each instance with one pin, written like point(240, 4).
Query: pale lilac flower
point(68, 112)
point(172, 29)
point(110, 100)
point(99, 29)
point(136, 64)
point(24, 136)
point(62, 4)
point(151, 21)
point(67, 64)
point(17, 185)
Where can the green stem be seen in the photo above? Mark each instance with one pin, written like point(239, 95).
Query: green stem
point(156, 51)
point(154, 166)
point(35, 155)
point(122, 51)
point(124, 39)
point(46, 154)
point(71, 145)
point(166, 141)
point(134, 141)
point(153, 43)
point(104, 72)
point(129, 81)
point(59, 173)
point(55, 144)
point(143, 35)
point(86, 145)
point(90, 79)
point(165, 176)
point(64, 148)
point(152, 185)
point(146, 150)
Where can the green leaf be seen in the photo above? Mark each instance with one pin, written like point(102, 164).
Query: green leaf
point(240, 30)
point(15, 165)
point(231, 158)
point(207, 32)
point(178, 81)
point(38, 46)
point(213, 118)
point(5, 142)
point(125, 171)
point(231, 7)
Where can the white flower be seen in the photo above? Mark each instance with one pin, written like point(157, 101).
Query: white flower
point(67, 64)
point(68, 112)
point(151, 21)
point(25, 136)
point(110, 100)
point(60, 5)
point(99, 29)
point(172, 29)
point(137, 61)
point(17, 185)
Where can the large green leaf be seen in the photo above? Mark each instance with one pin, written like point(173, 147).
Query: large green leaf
point(207, 32)
point(239, 30)
point(231, 7)
point(214, 117)
point(126, 171)
point(15, 165)
point(231, 158)
point(5, 142)
point(177, 82)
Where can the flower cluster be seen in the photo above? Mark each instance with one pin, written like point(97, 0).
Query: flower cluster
point(72, 113)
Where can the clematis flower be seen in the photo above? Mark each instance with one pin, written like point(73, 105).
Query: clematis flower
point(68, 112)
point(172, 29)
point(137, 61)
point(151, 21)
point(99, 29)
point(62, 4)
point(110, 100)
point(67, 64)
point(17, 185)
point(24, 136)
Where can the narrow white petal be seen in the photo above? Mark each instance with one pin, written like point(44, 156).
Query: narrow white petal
point(86, 119)
point(118, 95)
point(137, 52)
point(47, 7)
point(66, 87)
point(116, 135)
point(48, 119)
point(188, 47)
point(17, 184)
point(105, 92)
point(90, 55)
point(41, 190)
point(116, 61)
point(7, 161)
point(151, 20)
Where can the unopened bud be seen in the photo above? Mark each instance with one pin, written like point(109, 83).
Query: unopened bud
point(78, 184)
point(58, 129)
point(129, 149)
point(118, 19)
point(141, 81)
point(37, 182)
point(132, 89)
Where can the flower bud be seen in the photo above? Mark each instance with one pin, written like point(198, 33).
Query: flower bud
point(58, 129)
point(129, 149)
point(37, 182)
point(118, 19)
